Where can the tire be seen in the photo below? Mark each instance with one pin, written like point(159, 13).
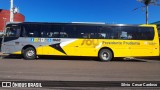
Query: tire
point(29, 53)
point(105, 55)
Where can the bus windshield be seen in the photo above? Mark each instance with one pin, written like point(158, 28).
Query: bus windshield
point(12, 32)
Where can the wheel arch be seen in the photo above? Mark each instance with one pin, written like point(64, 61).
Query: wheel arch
point(106, 48)
point(27, 46)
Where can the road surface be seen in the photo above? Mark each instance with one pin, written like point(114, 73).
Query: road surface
point(79, 70)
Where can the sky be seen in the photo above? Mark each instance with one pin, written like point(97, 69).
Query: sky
point(107, 11)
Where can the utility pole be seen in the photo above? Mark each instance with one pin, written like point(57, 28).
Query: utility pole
point(147, 3)
point(11, 11)
point(146, 14)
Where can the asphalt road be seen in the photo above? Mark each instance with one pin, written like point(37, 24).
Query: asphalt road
point(80, 70)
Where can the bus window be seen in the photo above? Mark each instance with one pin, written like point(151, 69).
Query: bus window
point(124, 35)
point(45, 31)
point(136, 33)
point(86, 31)
point(50, 34)
point(23, 32)
point(63, 35)
point(13, 32)
point(54, 31)
point(127, 32)
point(31, 30)
point(159, 32)
point(110, 32)
point(55, 35)
point(69, 31)
point(144, 33)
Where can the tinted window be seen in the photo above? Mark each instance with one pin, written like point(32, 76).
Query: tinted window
point(137, 33)
point(86, 31)
point(45, 31)
point(158, 27)
point(51, 31)
point(13, 31)
point(69, 31)
point(110, 32)
point(31, 30)
point(41, 30)
point(127, 32)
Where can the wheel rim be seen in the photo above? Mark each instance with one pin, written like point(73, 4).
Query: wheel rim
point(105, 56)
point(30, 53)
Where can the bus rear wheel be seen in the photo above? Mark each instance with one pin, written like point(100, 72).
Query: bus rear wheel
point(105, 55)
point(29, 53)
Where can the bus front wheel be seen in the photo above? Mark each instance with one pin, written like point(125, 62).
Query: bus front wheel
point(29, 53)
point(105, 55)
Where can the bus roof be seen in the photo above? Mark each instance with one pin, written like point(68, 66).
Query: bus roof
point(81, 23)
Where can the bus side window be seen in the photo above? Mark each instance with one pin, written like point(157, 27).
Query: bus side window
point(50, 34)
point(63, 35)
point(24, 34)
point(55, 35)
point(101, 35)
point(18, 32)
point(33, 34)
point(159, 33)
point(124, 35)
point(87, 32)
point(43, 34)
point(85, 35)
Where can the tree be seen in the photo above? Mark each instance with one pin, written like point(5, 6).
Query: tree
point(147, 3)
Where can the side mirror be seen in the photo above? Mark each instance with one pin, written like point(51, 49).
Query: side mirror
point(2, 34)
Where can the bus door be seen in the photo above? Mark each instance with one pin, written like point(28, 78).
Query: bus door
point(10, 39)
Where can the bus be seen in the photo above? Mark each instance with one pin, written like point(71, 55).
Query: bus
point(105, 41)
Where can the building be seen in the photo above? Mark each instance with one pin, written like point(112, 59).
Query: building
point(157, 23)
point(5, 17)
